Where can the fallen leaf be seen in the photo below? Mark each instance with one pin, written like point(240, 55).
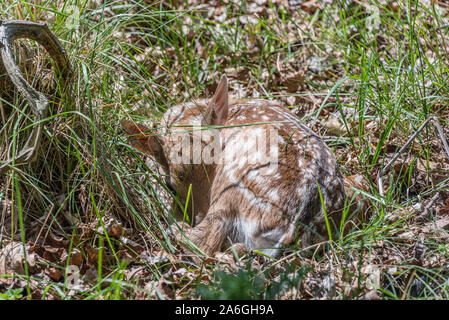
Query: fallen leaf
point(76, 258)
point(334, 125)
point(91, 275)
point(132, 245)
point(373, 276)
point(444, 210)
point(371, 295)
point(52, 254)
point(292, 80)
point(440, 224)
point(54, 273)
point(12, 258)
point(310, 6)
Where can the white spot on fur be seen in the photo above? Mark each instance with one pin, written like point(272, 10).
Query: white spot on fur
point(281, 140)
point(301, 191)
point(273, 195)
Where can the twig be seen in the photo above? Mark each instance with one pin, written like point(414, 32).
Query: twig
point(431, 202)
point(404, 294)
point(441, 134)
point(390, 163)
point(441, 27)
point(44, 223)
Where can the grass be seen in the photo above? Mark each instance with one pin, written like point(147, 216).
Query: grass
point(130, 59)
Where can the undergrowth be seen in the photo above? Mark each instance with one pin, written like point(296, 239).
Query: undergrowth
point(364, 75)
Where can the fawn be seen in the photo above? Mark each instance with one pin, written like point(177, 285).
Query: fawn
point(262, 202)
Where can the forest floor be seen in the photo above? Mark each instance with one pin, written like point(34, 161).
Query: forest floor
point(89, 218)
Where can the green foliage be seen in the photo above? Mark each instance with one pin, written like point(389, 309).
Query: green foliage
point(250, 284)
point(11, 294)
point(244, 284)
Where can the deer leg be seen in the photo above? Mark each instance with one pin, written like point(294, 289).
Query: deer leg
point(209, 234)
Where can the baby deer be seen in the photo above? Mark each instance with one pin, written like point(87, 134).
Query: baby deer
point(256, 176)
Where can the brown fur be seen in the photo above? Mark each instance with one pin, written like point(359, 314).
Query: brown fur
point(233, 200)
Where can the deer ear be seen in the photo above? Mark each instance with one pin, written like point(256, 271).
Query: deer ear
point(141, 138)
point(217, 113)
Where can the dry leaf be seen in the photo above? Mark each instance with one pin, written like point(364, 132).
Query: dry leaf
point(12, 258)
point(371, 295)
point(372, 272)
point(335, 126)
point(55, 273)
point(440, 224)
point(292, 80)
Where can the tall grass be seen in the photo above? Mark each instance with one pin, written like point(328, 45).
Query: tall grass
point(135, 60)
